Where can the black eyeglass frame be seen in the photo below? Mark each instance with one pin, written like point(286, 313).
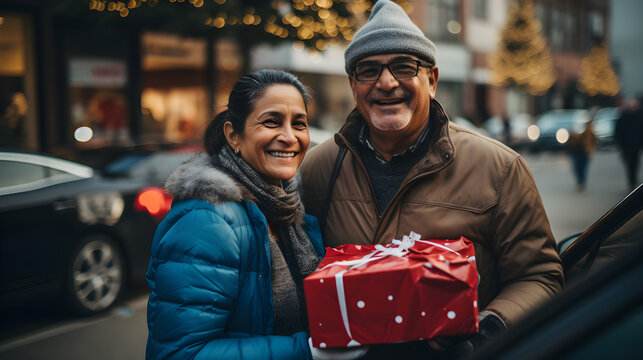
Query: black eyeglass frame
point(419, 63)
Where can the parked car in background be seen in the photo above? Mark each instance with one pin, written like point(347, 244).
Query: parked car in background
point(518, 125)
point(466, 123)
point(604, 125)
point(553, 128)
point(150, 166)
point(68, 231)
point(318, 135)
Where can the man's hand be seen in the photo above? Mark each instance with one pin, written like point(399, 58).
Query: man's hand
point(490, 326)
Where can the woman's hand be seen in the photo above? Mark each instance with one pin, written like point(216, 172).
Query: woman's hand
point(348, 353)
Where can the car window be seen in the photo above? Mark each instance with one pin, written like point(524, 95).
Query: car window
point(554, 122)
point(604, 126)
point(607, 113)
point(122, 166)
point(18, 176)
point(154, 167)
point(159, 166)
point(17, 173)
point(626, 238)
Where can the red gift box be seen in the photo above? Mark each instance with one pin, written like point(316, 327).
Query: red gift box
point(408, 290)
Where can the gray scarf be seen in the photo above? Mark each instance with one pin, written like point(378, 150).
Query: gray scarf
point(284, 211)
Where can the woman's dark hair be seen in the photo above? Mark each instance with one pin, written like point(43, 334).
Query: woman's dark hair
point(241, 103)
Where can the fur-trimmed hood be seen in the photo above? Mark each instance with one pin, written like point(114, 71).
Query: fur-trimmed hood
point(197, 178)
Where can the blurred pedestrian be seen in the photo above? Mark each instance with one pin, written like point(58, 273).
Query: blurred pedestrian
point(628, 134)
point(581, 147)
point(13, 121)
point(506, 128)
point(229, 258)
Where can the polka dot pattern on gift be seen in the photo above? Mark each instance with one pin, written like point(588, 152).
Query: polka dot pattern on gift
point(390, 298)
point(399, 319)
point(451, 314)
point(361, 304)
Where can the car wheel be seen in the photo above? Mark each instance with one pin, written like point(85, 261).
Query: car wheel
point(96, 274)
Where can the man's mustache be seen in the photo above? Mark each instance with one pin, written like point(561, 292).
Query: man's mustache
point(394, 93)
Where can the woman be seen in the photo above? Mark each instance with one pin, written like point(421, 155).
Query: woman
point(581, 146)
point(229, 258)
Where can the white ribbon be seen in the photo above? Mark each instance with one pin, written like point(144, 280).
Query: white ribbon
point(380, 252)
point(440, 246)
point(403, 245)
point(341, 296)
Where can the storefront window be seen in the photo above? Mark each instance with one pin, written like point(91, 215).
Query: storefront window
point(480, 9)
point(450, 97)
point(174, 101)
point(595, 27)
point(541, 14)
point(571, 33)
point(17, 91)
point(98, 103)
point(557, 29)
point(443, 20)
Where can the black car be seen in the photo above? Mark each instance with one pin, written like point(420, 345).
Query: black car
point(66, 229)
point(604, 126)
point(600, 313)
point(553, 128)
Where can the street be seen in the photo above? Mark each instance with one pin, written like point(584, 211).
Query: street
point(570, 212)
point(121, 334)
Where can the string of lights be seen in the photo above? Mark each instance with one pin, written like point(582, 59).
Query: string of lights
point(314, 24)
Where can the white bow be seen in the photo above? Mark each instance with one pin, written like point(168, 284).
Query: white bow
point(380, 251)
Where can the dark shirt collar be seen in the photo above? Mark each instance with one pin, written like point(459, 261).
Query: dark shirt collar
point(363, 139)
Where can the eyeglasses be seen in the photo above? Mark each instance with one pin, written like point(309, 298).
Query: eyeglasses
point(401, 69)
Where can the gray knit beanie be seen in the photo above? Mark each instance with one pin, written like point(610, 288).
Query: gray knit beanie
point(388, 30)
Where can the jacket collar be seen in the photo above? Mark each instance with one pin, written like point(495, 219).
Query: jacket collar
point(197, 178)
point(363, 139)
point(440, 149)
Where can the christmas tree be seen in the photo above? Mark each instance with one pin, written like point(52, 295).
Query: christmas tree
point(522, 57)
point(596, 74)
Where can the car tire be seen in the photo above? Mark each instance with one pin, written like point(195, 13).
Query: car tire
point(96, 275)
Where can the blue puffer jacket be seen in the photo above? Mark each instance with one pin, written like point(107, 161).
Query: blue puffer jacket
point(209, 274)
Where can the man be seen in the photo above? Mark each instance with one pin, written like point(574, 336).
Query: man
point(408, 168)
point(628, 134)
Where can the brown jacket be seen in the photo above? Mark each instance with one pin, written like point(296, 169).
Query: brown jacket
point(584, 141)
point(467, 185)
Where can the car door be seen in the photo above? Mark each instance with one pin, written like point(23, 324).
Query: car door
point(37, 220)
point(600, 313)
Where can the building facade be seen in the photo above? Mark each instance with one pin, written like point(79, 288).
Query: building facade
point(83, 80)
point(74, 79)
point(570, 28)
point(625, 39)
